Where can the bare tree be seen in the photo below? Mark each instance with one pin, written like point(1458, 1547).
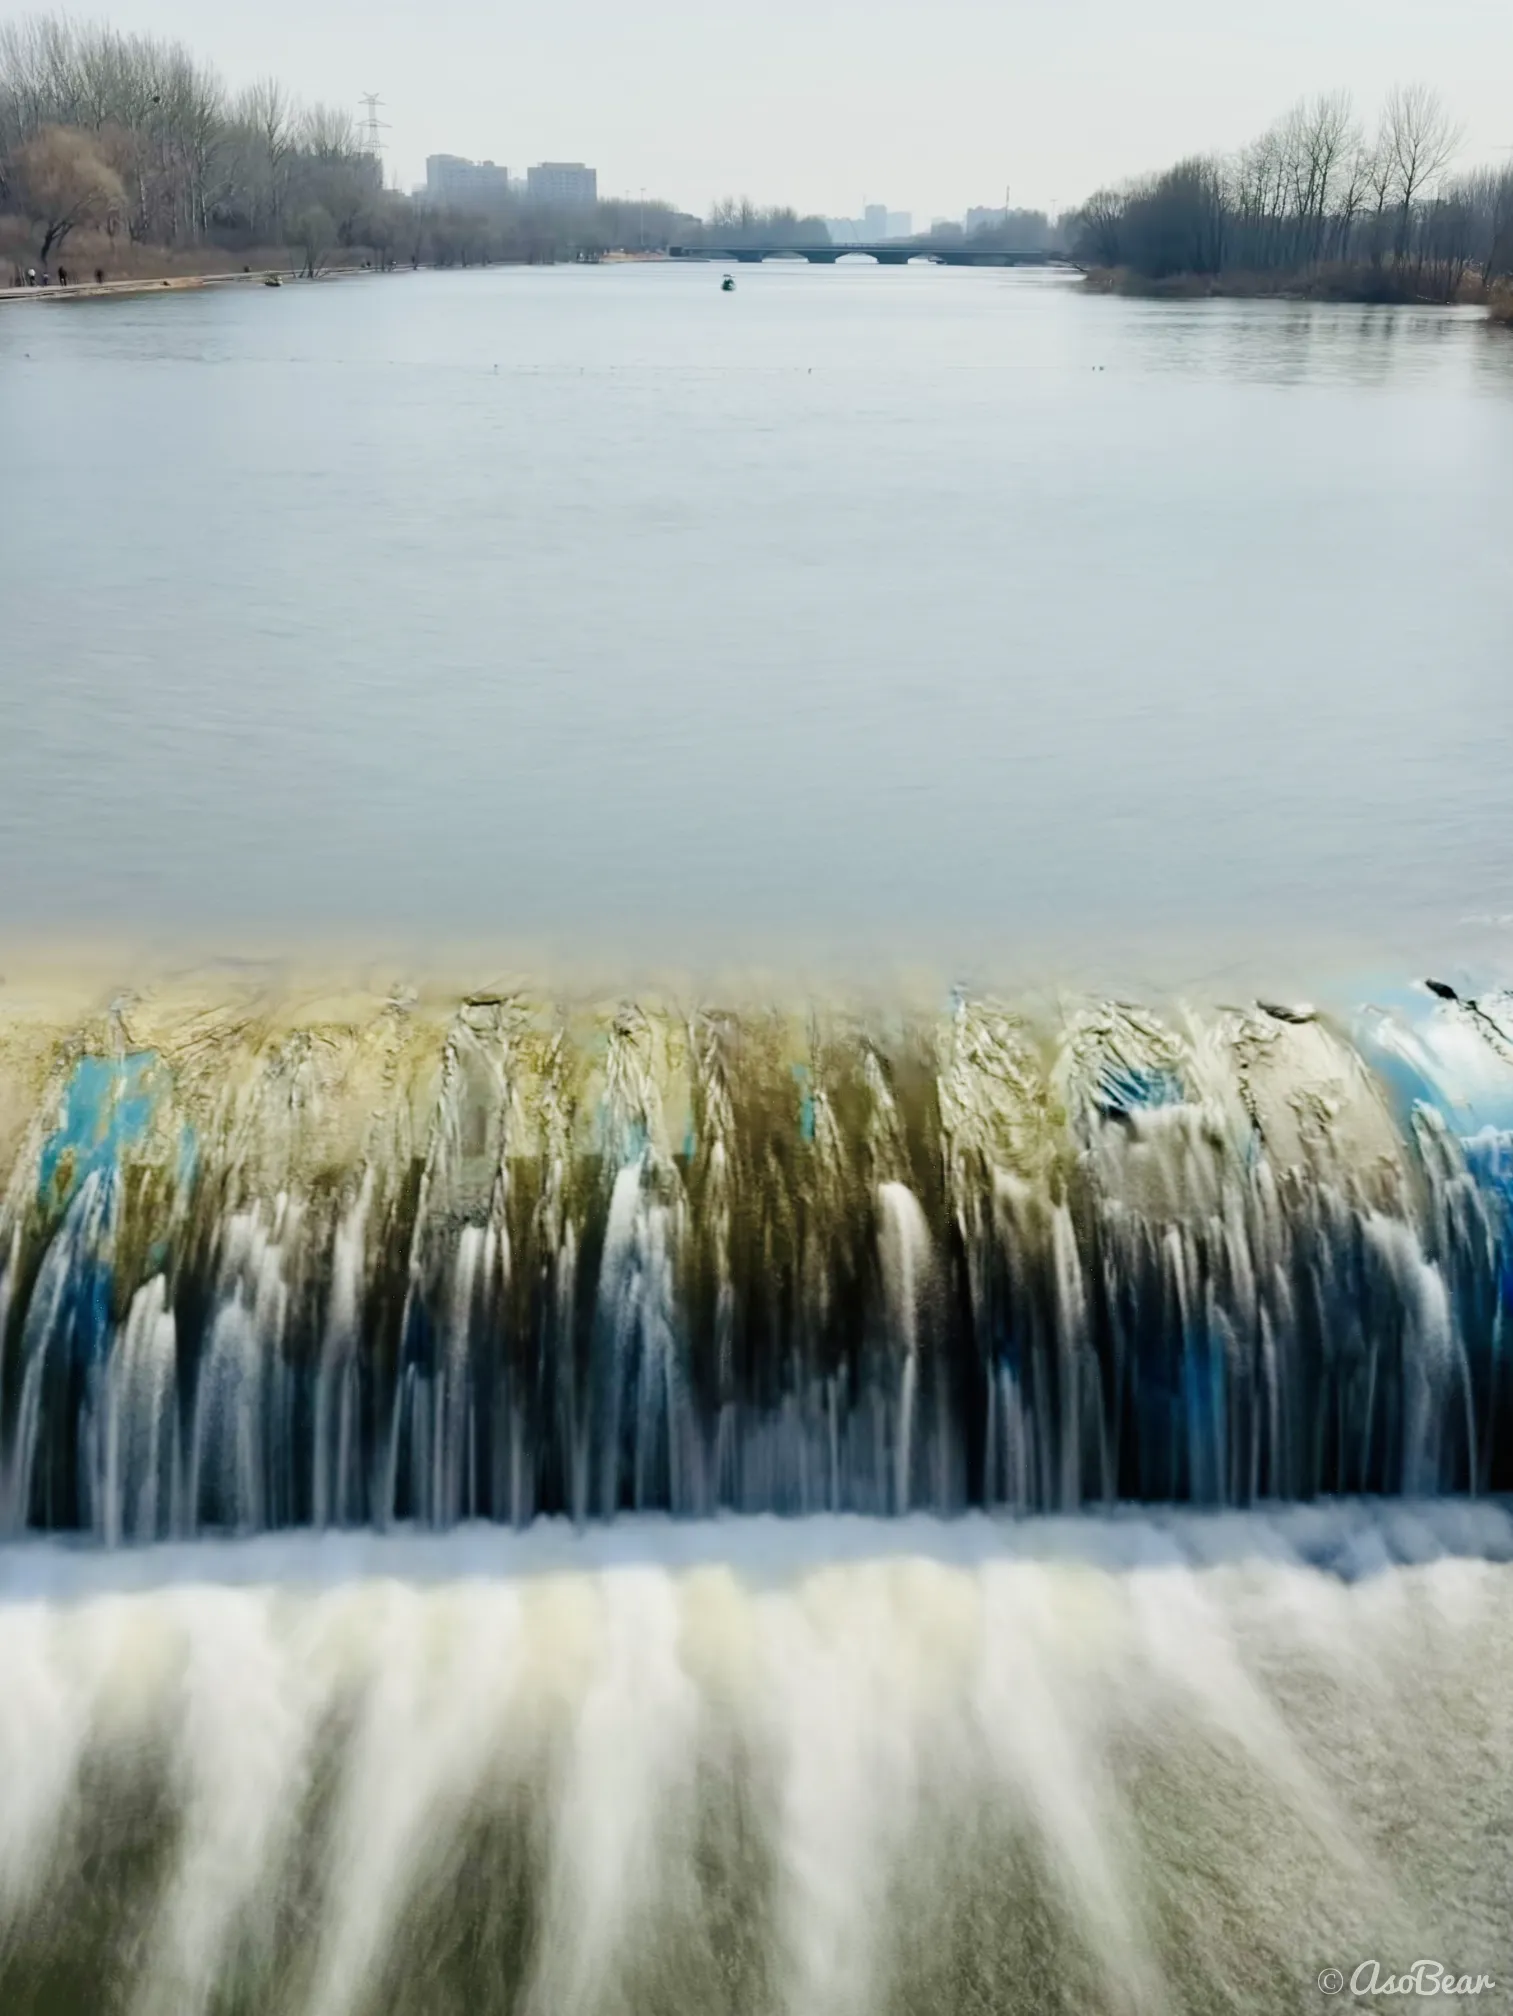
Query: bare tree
point(381, 226)
point(1257, 194)
point(1354, 183)
point(328, 133)
point(1447, 243)
point(64, 181)
point(200, 142)
point(1421, 141)
point(1096, 231)
point(1323, 139)
point(315, 237)
point(1500, 246)
point(266, 113)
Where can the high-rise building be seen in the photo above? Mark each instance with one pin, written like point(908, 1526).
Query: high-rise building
point(878, 224)
point(566, 183)
point(455, 183)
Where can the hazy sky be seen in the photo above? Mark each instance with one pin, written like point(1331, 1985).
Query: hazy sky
point(822, 103)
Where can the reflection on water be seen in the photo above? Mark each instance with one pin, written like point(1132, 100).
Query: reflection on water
point(947, 614)
point(1322, 343)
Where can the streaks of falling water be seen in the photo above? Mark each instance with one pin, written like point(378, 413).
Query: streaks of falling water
point(384, 1265)
point(1132, 1766)
point(137, 1462)
point(904, 1254)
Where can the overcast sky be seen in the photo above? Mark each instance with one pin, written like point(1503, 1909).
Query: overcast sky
point(825, 103)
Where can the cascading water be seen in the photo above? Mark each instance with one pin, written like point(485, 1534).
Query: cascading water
point(822, 1767)
point(409, 1279)
point(262, 1271)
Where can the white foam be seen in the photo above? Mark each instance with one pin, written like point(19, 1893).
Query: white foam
point(892, 1691)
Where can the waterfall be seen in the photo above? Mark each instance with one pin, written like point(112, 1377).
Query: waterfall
point(1124, 1765)
point(447, 1356)
point(265, 1266)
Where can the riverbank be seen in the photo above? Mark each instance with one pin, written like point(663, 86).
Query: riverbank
point(257, 276)
point(178, 283)
point(1363, 285)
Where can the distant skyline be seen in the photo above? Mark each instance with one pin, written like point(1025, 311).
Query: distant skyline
point(826, 104)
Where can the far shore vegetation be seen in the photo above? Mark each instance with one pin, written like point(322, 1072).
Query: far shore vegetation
point(1319, 207)
point(124, 159)
point(123, 156)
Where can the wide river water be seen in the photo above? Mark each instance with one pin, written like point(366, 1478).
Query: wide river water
point(944, 616)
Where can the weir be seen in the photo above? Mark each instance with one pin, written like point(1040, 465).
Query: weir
point(370, 1268)
point(384, 1262)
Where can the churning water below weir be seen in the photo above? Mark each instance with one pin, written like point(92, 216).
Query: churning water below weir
point(824, 1767)
point(407, 1276)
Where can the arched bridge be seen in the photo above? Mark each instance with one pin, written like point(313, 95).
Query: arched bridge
point(895, 252)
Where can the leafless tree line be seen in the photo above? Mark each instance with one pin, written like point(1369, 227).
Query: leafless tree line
point(130, 136)
point(140, 136)
point(1317, 191)
point(738, 221)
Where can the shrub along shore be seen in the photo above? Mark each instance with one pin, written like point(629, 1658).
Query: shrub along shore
point(1362, 284)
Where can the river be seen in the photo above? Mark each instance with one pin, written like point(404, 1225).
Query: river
point(907, 614)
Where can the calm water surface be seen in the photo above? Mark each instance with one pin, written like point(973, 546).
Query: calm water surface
point(932, 613)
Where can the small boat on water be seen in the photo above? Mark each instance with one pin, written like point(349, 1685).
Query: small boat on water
point(272, 280)
point(727, 285)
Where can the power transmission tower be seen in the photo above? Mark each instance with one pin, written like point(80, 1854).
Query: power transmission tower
point(371, 129)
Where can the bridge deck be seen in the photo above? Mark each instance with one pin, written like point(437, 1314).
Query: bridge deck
point(896, 252)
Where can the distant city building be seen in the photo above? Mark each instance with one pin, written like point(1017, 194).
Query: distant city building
point(453, 182)
point(986, 220)
point(875, 226)
point(566, 183)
